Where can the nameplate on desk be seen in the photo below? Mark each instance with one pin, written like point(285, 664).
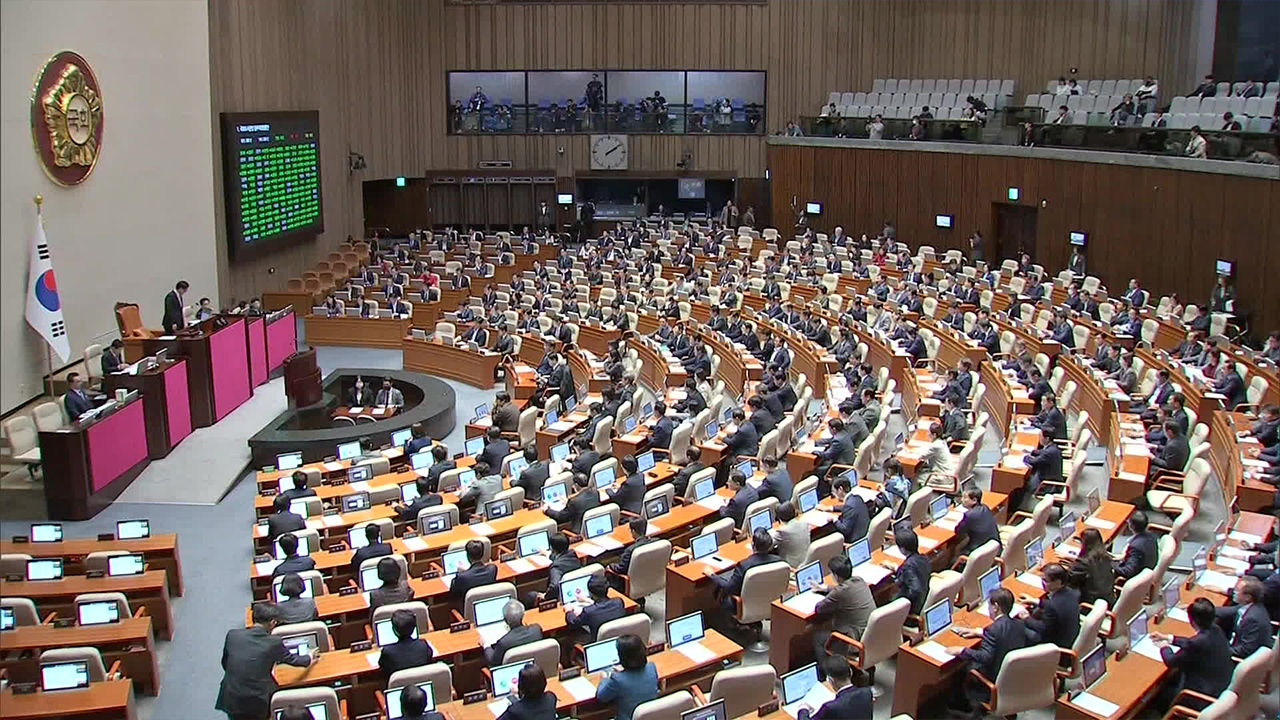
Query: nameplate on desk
point(506, 557)
point(338, 481)
point(106, 537)
point(765, 709)
point(331, 513)
point(409, 535)
point(460, 626)
point(369, 716)
point(336, 547)
point(472, 698)
point(431, 575)
point(680, 560)
point(570, 673)
point(655, 648)
point(20, 539)
point(362, 646)
point(95, 573)
point(548, 604)
point(13, 578)
point(348, 590)
point(23, 688)
point(476, 520)
point(261, 558)
point(64, 622)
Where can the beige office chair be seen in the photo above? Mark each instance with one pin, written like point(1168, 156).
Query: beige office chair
point(24, 611)
point(324, 642)
point(696, 478)
point(977, 563)
point(648, 571)
point(377, 466)
point(98, 672)
point(918, 505)
point(528, 426)
point(637, 624)
point(538, 526)
point(1222, 708)
point(722, 529)
point(1086, 640)
point(1168, 551)
point(1039, 517)
point(1132, 595)
point(312, 578)
point(484, 592)
point(1174, 492)
point(48, 416)
point(680, 438)
point(314, 477)
point(667, 707)
point(1025, 681)
point(602, 440)
point(1247, 681)
point(545, 652)
point(761, 586)
point(462, 544)
point(879, 641)
point(24, 442)
point(373, 563)
point(515, 495)
point(14, 564)
point(743, 689)
point(426, 514)
point(769, 503)
point(437, 674)
point(451, 480)
point(417, 607)
point(823, 549)
point(879, 528)
point(122, 603)
point(304, 697)
point(1179, 528)
point(313, 505)
point(98, 561)
point(1014, 556)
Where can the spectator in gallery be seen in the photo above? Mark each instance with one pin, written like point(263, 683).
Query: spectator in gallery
point(875, 128)
point(1073, 87)
point(1062, 88)
point(917, 128)
point(1206, 89)
point(1026, 136)
point(1124, 111)
point(1229, 123)
point(1063, 117)
point(478, 100)
point(1197, 146)
point(1146, 95)
point(1249, 89)
point(749, 217)
point(925, 114)
point(793, 130)
point(595, 94)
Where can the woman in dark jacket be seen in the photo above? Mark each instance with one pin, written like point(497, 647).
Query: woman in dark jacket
point(532, 701)
point(1092, 572)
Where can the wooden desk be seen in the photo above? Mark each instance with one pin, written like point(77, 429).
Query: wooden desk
point(165, 403)
point(128, 641)
point(1128, 683)
point(355, 331)
point(149, 590)
point(920, 678)
point(160, 552)
point(458, 363)
point(377, 412)
point(110, 700)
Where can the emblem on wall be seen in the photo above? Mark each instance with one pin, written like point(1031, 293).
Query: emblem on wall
point(66, 118)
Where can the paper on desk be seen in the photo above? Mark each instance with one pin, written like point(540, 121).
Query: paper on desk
point(447, 580)
point(715, 562)
point(265, 568)
point(372, 658)
point(817, 696)
point(1131, 476)
point(415, 544)
point(947, 523)
point(893, 552)
point(1013, 461)
point(360, 486)
point(1027, 578)
point(588, 548)
point(580, 688)
point(1254, 462)
point(866, 493)
point(333, 466)
point(1178, 614)
point(805, 602)
point(927, 544)
point(491, 633)
point(1136, 449)
point(1099, 523)
point(1147, 647)
point(1234, 552)
point(816, 518)
point(1245, 537)
point(1232, 563)
point(332, 520)
point(696, 652)
point(607, 542)
point(872, 573)
point(498, 707)
point(538, 560)
point(483, 528)
point(935, 650)
point(315, 523)
point(1095, 705)
point(357, 409)
point(1215, 580)
point(713, 502)
point(520, 566)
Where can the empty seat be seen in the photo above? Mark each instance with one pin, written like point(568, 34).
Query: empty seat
point(890, 85)
point(915, 86)
point(966, 87)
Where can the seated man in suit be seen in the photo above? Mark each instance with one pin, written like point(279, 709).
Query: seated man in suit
point(743, 496)
point(1175, 452)
point(426, 498)
point(660, 433)
point(1204, 659)
point(1229, 383)
point(281, 520)
point(743, 441)
point(839, 449)
point(597, 610)
point(1002, 636)
point(585, 496)
point(629, 494)
point(77, 399)
point(389, 395)
point(978, 525)
point(301, 488)
point(495, 449)
point(1043, 463)
point(1051, 421)
point(519, 633)
point(480, 572)
point(911, 576)
point(1143, 550)
point(955, 426)
point(761, 554)
point(622, 566)
point(853, 517)
point(1246, 621)
point(375, 548)
point(853, 698)
point(777, 481)
point(693, 402)
point(692, 465)
point(505, 415)
point(487, 485)
point(762, 416)
point(292, 562)
point(406, 652)
point(585, 457)
point(113, 358)
point(442, 464)
point(535, 474)
point(845, 608)
point(1056, 617)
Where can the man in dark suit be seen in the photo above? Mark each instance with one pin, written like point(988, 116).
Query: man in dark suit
point(534, 476)
point(743, 441)
point(785, 393)
point(1175, 452)
point(480, 572)
point(1051, 421)
point(601, 610)
point(1057, 617)
point(1143, 550)
point(584, 498)
point(292, 562)
point(77, 398)
point(955, 426)
point(562, 378)
point(693, 402)
point(1231, 385)
point(586, 457)
point(1001, 637)
point(173, 315)
point(375, 548)
point(761, 554)
point(519, 634)
point(777, 481)
point(762, 417)
point(743, 496)
point(406, 652)
point(248, 656)
point(912, 575)
point(692, 465)
point(845, 608)
point(629, 495)
point(853, 695)
point(978, 524)
point(1039, 388)
point(1204, 659)
point(1043, 463)
point(660, 434)
point(838, 449)
point(281, 520)
point(1246, 622)
point(113, 358)
point(442, 464)
point(300, 489)
point(495, 449)
point(622, 566)
point(426, 498)
point(854, 518)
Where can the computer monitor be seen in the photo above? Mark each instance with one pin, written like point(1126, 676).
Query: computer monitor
point(1171, 594)
point(517, 466)
point(762, 519)
point(46, 532)
point(474, 445)
point(1094, 665)
point(436, 523)
point(454, 560)
point(348, 450)
point(279, 594)
point(1066, 525)
point(316, 710)
point(64, 675)
point(710, 711)
point(645, 461)
point(703, 545)
point(813, 208)
point(400, 438)
point(1076, 238)
point(703, 489)
point(656, 507)
point(943, 221)
point(712, 428)
point(466, 477)
point(98, 613)
point(988, 582)
point(131, 564)
point(285, 483)
point(302, 643)
point(1224, 268)
point(289, 461)
point(7, 619)
point(685, 629)
point(369, 579)
point(601, 655)
point(575, 589)
point(355, 502)
point(421, 460)
point(495, 509)
point(628, 424)
point(359, 473)
point(859, 552)
point(44, 569)
point(551, 418)
point(554, 493)
point(597, 526)
point(133, 529)
point(604, 477)
point(505, 678)
point(570, 404)
point(1137, 628)
point(1094, 499)
point(939, 507)
point(797, 683)
point(409, 492)
point(808, 573)
point(1035, 552)
point(356, 538)
point(304, 548)
point(937, 618)
point(647, 409)
point(559, 451)
point(747, 468)
point(482, 410)
point(392, 696)
point(533, 543)
point(489, 610)
point(808, 500)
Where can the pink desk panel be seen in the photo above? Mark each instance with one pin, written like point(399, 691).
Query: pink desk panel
point(116, 444)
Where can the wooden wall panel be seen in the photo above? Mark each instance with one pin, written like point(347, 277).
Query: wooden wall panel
point(376, 71)
point(1164, 227)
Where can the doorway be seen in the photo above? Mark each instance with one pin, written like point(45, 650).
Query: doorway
point(1015, 227)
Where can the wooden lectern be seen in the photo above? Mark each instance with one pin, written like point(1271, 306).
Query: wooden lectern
point(302, 378)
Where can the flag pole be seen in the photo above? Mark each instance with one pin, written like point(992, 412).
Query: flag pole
point(48, 350)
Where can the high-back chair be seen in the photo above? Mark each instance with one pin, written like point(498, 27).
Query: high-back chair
point(14, 563)
point(696, 478)
point(1014, 556)
point(121, 603)
point(722, 528)
point(760, 587)
point(1132, 595)
point(425, 515)
point(24, 611)
point(91, 656)
point(769, 503)
point(743, 689)
point(637, 624)
point(647, 573)
point(484, 592)
point(602, 440)
point(1168, 551)
point(666, 707)
point(978, 562)
point(878, 528)
point(1025, 681)
point(1086, 640)
point(825, 548)
point(417, 607)
point(918, 505)
point(610, 509)
point(666, 491)
point(545, 653)
point(321, 631)
point(24, 442)
point(680, 438)
point(99, 560)
point(879, 641)
point(303, 697)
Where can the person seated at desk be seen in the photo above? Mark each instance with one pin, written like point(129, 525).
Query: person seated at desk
point(389, 396)
point(407, 651)
point(1202, 662)
point(374, 548)
point(477, 333)
point(1245, 619)
point(394, 588)
point(955, 426)
point(1271, 351)
point(460, 281)
point(660, 434)
point(532, 700)
point(870, 411)
point(1056, 617)
point(791, 538)
point(777, 481)
point(585, 497)
point(978, 524)
point(853, 696)
point(692, 465)
point(1043, 463)
point(629, 494)
point(1229, 383)
point(743, 496)
point(622, 566)
point(300, 488)
point(441, 464)
point(1050, 420)
point(426, 498)
point(1037, 388)
point(852, 516)
point(598, 609)
point(839, 449)
point(295, 608)
point(464, 313)
point(485, 487)
point(1174, 453)
point(633, 685)
point(761, 554)
point(1158, 396)
point(282, 519)
point(77, 400)
point(535, 474)
point(205, 310)
point(479, 572)
point(937, 465)
point(248, 657)
point(1143, 550)
point(987, 335)
point(1093, 571)
point(912, 575)
point(518, 634)
point(113, 358)
point(360, 395)
point(845, 608)
point(292, 562)
point(495, 449)
point(745, 439)
point(1123, 374)
point(693, 402)
point(1002, 636)
point(563, 560)
point(763, 415)
point(586, 456)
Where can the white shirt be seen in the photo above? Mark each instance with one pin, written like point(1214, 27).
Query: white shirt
point(1152, 89)
point(1197, 147)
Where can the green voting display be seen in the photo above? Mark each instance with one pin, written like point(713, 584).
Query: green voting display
point(271, 163)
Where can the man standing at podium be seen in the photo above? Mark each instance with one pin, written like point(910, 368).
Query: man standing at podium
point(173, 319)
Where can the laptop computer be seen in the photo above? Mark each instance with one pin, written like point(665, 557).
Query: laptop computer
point(807, 574)
point(7, 619)
point(355, 502)
point(988, 582)
point(551, 418)
point(645, 461)
point(348, 450)
point(703, 489)
point(533, 543)
point(409, 492)
point(289, 461)
point(939, 507)
point(421, 460)
point(574, 590)
point(98, 613)
point(435, 523)
point(133, 529)
point(808, 500)
point(570, 404)
point(394, 708)
point(685, 629)
point(597, 526)
point(937, 617)
point(359, 473)
point(301, 644)
point(276, 584)
point(601, 655)
point(1137, 628)
point(703, 545)
point(131, 564)
point(710, 711)
point(604, 477)
point(859, 552)
point(629, 424)
point(473, 446)
point(656, 507)
point(1093, 666)
point(1035, 552)
point(560, 451)
point(712, 428)
point(46, 532)
point(384, 632)
point(505, 678)
point(482, 410)
point(318, 711)
point(400, 438)
point(747, 468)
point(762, 519)
point(64, 675)
point(517, 466)
point(369, 579)
point(795, 685)
point(454, 560)
point(495, 509)
point(44, 569)
point(554, 493)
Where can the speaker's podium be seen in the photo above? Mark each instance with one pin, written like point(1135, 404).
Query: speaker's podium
point(302, 378)
point(217, 355)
